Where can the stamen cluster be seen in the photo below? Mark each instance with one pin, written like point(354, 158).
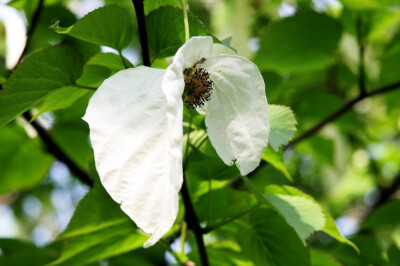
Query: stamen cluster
point(198, 86)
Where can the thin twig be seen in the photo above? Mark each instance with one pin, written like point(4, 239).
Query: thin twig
point(339, 112)
point(385, 194)
point(48, 141)
point(139, 9)
point(193, 222)
point(32, 26)
point(58, 153)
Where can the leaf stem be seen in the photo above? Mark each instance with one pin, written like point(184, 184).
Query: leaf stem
point(85, 87)
point(183, 237)
point(185, 20)
point(139, 9)
point(167, 247)
point(122, 59)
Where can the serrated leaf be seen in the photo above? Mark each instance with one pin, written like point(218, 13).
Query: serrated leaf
point(109, 26)
point(268, 240)
point(109, 60)
point(276, 160)
point(23, 163)
point(304, 215)
point(35, 77)
point(290, 45)
point(98, 230)
point(330, 226)
point(282, 125)
point(167, 32)
point(150, 5)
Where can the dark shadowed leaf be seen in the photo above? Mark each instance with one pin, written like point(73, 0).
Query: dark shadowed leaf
point(304, 42)
point(35, 77)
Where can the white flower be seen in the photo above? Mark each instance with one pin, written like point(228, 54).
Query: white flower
point(135, 120)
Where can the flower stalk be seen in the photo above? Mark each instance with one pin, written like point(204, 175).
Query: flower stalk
point(185, 20)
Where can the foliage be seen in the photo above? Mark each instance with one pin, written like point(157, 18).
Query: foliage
point(325, 190)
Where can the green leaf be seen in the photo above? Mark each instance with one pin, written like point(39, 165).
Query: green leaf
point(94, 212)
point(321, 259)
point(109, 60)
point(60, 99)
point(98, 230)
point(207, 165)
point(150, 5)
point(361, 5)
point(109, 26)
point(167, 32)
point(282, 125)
point(221, 204)
point(93, 76)
point(23, 163)
point(290, 45)
point(268, 240)
point(387, 215)
point(303, 214)
point(17, 252)
point(35, 77)
point(71, 133)
point(276, 160)
point(223, 253)
point(330, 227)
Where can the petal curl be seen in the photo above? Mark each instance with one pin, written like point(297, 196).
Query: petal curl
point(130, 137)
point(237, 113)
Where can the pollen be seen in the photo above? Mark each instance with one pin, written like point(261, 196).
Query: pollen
point(198, 86)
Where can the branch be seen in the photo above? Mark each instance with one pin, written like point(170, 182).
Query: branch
point(139, 9)
point(58, 153)
point(361, 45)
point(50, 144)
point(31, 29)
point(339, 112)
point(193, 222)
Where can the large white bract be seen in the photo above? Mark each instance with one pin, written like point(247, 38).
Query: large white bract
point(135, 120)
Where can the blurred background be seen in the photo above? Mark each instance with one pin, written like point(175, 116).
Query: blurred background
point(314, 57)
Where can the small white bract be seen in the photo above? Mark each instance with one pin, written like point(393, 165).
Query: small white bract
point(135, 120)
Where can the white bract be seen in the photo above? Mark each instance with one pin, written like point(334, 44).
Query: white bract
point(135, 120)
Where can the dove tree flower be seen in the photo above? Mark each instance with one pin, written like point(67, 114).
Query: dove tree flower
point(135, 120)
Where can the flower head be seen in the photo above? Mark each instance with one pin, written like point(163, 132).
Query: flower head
point(135, 120)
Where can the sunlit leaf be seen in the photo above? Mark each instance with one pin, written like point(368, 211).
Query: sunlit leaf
point(330, 226)
point(276, 159)
point(282, 123)
point(109, 26)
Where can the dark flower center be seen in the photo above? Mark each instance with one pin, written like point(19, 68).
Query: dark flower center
point(198, 86)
